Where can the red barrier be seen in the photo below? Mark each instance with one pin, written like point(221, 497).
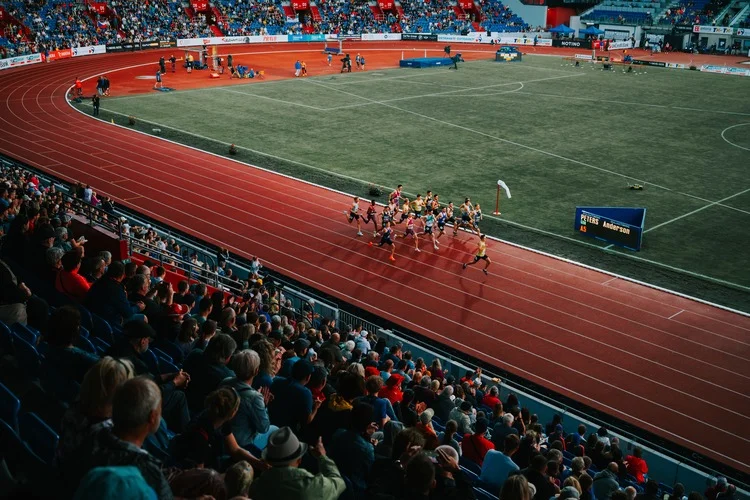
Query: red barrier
point(54, 55)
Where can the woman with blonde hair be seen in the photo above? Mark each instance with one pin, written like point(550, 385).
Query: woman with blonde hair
point(270, 359)
point(92, 410)
point(516, 488)
point(357, 369)
point(572, 481)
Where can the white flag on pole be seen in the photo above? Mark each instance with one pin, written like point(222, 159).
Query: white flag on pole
point(505, 187)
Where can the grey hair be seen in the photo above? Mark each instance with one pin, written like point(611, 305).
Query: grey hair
point(508, 419)
point(349, 345)
point(448, 390)
point(53, 255)
point(220, 348)
point(357, 369)
point(60, 232)
point(137, 282)
point(555, 455)
point(133, 403)
point(246, 364)
point(288, 330)
point(142, 269)
point(106, 255)
point(577, 464)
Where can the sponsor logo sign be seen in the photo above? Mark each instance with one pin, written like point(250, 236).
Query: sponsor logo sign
point(716, 30)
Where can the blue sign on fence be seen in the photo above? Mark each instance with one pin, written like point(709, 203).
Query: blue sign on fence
point(617, 225)
point(307, 38)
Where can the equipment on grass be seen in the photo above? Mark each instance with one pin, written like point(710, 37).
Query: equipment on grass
point(334, 47)
point(500, 184)
point(508, 54)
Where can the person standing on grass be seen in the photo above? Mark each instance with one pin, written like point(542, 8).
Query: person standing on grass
point(372, 216)
point(354, 215)
point(481, 254)
point(158, 84)
point(387, 239)
point(95, 101)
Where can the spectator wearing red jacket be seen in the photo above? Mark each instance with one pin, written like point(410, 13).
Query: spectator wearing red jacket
point(392, 389)
point(491, 398)
point(475, 446)
point(68, 281)
point(636, 466)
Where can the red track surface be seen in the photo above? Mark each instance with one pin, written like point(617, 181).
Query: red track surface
point(676, 367)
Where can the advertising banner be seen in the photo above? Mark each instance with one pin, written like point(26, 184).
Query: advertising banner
point(625, 44)
point(14, 62)
point(89, 50)
point(724, 70)
point(643, 62)
point(574, 44)
point(419, 37)
point(540, 42)
point(306, 38)
point(462, 38)
point(715, 30)
point(55, 55)
point(381, 36)
point(226, 40)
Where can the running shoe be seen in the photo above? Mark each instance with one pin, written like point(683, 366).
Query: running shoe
point(417, 249)
point(369, 244)
point(485, 272)
point(393, 259)
point(360, 233)
point(464, 266)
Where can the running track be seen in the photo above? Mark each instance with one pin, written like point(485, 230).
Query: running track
point(675, 367)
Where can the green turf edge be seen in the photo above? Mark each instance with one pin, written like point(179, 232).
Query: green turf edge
point(611, 261)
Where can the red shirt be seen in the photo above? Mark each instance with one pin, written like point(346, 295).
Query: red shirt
point(637, 467)
point(72, 284)
point(490, 401)
point(391, 393)
point(476, 447)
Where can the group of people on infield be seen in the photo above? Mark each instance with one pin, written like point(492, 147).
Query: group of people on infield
point(425, 210)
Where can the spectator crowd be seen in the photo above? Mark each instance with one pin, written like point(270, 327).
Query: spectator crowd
point(191, 392)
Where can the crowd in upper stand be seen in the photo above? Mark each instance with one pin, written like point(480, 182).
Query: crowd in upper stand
point(59, 25)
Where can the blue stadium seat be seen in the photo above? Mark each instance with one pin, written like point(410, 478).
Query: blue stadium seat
point(10, 405)
point(28, 357)
point(86, 320)
point(101, 345)
point(102, 329)
point(481, 494)
point(18, 457)
point(84, 332)
point(471, 476)
point(161, 354)
point(25, 333)
point(468, 464)
point(39, 437)
point(85, 344)
point(57, 385)
point(167, 366)
point(152, 362)
point(6, 339)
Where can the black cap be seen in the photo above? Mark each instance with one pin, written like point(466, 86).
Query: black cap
point(137, 329)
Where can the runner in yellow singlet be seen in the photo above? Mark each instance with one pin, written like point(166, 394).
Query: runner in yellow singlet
point(481, 254)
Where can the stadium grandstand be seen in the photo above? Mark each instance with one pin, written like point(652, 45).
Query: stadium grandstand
point(142, 358)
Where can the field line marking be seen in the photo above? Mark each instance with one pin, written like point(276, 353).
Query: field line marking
point(505, 221)
point(290, 103)
point(631, 103)
point(697, 210)
point(507, 141)
point(370, 102)
point(485, 134)
point(730, 142)
point(675, 314)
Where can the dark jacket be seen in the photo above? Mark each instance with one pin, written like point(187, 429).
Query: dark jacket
point(107, 298)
